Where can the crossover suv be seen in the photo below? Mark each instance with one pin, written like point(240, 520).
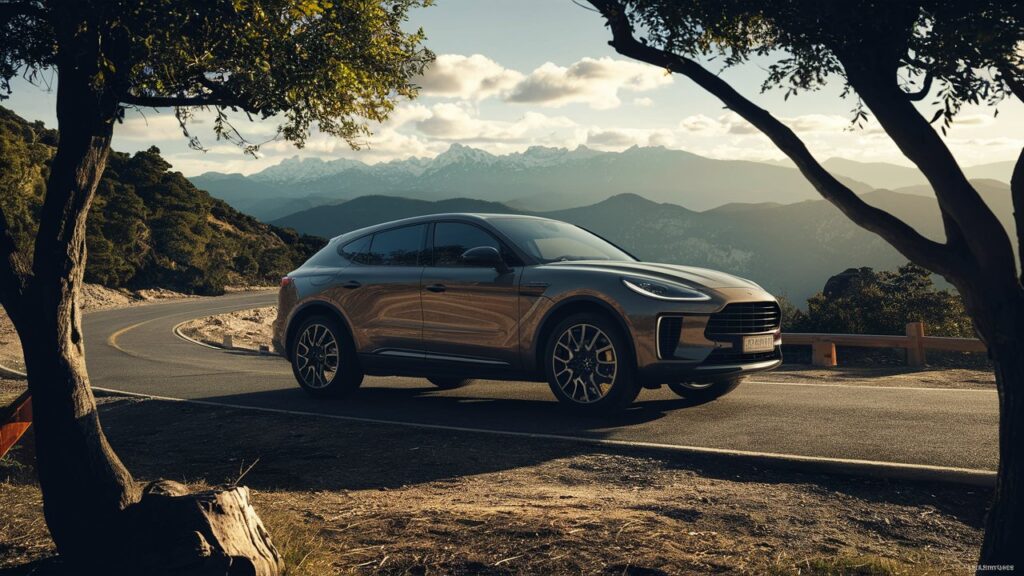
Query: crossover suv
point(451, 297)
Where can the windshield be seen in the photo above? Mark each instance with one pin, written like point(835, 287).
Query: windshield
point(552, 241)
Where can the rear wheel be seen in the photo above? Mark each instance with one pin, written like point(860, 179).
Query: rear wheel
point(447, 383)
point(589, 366)
point(705, 391)
point(323, 358)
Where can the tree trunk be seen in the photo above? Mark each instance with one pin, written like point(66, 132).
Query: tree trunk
point(84, 484)
point(1004, 527)
point(91, 503)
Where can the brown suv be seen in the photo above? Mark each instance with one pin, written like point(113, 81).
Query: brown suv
point(451, 297)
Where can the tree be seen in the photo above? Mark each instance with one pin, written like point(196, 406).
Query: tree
point(890, 56)
point(865, 301)
point(328, 64)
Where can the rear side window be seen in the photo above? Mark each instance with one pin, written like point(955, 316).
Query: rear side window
point(327, 257)
point(357, 250)
point(399, 247)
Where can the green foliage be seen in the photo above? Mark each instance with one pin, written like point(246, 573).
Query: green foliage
point(970, 50)
point(25, 150)
point(326, 63)
point(149, 226)
point(863, 301)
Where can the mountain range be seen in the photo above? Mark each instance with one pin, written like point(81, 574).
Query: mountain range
point(791, 249)
point(537, 179)
point(542, 178)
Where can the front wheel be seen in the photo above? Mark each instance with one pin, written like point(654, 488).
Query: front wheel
point(705, 391)
point(589, 366)
point(324, 359)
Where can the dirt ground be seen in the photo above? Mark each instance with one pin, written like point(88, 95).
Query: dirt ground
point(251, 328)
point(356, 498)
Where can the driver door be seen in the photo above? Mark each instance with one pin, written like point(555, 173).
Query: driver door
point(470, 313)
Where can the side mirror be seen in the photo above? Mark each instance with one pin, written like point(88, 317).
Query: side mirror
point(485, 257)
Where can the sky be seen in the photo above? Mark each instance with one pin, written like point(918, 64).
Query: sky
point(511, 74)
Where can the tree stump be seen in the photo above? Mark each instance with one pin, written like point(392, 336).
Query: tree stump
point(217, 532)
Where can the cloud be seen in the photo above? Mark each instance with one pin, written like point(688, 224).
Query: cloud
point(455, 122)
point(595, 82)
point(732, 123)
point(621, 138)
point(643, 102)
point(468, 77)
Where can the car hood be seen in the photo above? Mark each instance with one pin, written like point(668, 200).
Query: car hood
point(696, 277)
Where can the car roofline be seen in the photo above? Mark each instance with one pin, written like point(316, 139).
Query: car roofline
point(427, 218)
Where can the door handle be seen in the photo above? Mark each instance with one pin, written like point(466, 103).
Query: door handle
point(436, 288)
point(351, 284)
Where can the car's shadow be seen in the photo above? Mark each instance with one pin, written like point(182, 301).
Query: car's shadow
point(295, 451)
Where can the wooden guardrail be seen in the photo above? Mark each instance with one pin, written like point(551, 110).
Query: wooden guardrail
point(14, 421)
point(823, 346)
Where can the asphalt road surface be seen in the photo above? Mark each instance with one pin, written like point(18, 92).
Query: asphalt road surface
point(135, 350)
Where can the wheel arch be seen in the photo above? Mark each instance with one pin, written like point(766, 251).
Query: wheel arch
point(568, 307)
point(314, 308)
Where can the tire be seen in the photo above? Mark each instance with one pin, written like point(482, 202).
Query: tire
point(448, 383)
point(705, 391)
point(596, 382)
point(315, 336)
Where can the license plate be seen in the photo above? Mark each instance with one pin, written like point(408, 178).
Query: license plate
point(760, 343)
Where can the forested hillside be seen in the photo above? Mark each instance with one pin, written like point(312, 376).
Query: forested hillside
point(149, 226)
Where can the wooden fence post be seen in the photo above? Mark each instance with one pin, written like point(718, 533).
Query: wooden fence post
point(823, 353)
point(915, 348)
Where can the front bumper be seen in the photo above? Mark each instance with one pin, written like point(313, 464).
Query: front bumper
point(700, 347)
point(673, 371)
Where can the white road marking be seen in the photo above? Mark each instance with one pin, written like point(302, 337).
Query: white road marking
point(872, 386)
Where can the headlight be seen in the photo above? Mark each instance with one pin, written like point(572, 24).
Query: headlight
point(664, 290)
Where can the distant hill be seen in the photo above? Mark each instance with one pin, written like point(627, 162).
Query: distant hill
point(790, 249)
point(148, 226)
point(891, 176)
point(538, 179)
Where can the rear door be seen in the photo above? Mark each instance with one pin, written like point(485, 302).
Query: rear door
point(470, 314)
point(380, 292)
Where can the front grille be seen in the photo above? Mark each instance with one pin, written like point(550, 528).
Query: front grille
point(726, 356)
point(669, 329)
point(744, 318)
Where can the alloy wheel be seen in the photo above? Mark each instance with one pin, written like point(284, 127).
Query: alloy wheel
point(316, 356)
point(585, 363)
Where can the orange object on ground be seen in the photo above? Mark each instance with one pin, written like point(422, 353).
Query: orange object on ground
point(14, 421)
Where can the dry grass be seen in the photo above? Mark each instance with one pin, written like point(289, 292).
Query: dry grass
point(856, 565)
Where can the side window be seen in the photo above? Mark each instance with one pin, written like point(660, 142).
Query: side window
point(357, 250)
point(451, 239)
point(400, 247)
point(327, 257)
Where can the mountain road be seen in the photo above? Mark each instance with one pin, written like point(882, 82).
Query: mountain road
point(135, 350)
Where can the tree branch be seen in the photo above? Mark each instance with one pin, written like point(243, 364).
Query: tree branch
point(909, 242)
point(1016, 84)
point(1017, 194)
point(971, 226)
point(173, 101)
point(926, 87)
